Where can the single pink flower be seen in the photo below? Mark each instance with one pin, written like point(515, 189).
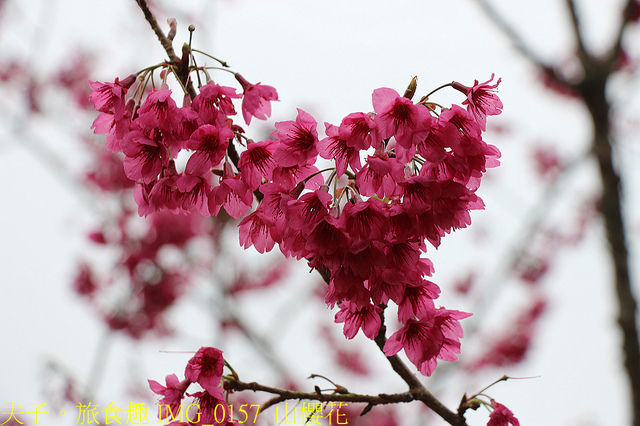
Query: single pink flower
point(417, 301)
point(364, 221)
point(360, 131)
point(380, 176)
point(210, 144)
point(355, 318)
point(195, 192)
point(501, 416)
point(344, 285)
point(481, 99)
point(110, 97)
point(256, 162)
point(172, 394)
point(430, 338)
point(145, 155)
point(232, 194)
point(255, 230)
point(214, 104)
point(298, 141)
point(309, 209)
point(256, 100)
point(205, 368)
point(420, 193)
point(328, 242)
point(334, 147)
point(399, 117)
point(290, 176)
point(187, 122)
point(165, 194)
point(209, 413)
point(159, 111)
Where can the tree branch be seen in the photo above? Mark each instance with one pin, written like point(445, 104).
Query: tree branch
point(232, 384)
point(182, 64)
point(164, 41)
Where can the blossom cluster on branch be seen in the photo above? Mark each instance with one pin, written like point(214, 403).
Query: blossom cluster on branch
point(398, 176)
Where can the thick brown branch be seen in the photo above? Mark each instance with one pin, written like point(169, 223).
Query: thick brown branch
point(593, 93)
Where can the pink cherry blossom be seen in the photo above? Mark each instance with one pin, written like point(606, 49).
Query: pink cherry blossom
point(359, 130)
point(195, 192)
point(255, 230)
point(214, 104)
point(210, 144)
point(159, 111)
point(481, 99)
point(298, 140)
point(232, 194)
point(207, 403)
point(364, 221)
point(380, 176)
point(205, 368)
point(427, 339)
point(110, 97)
point(336, 148)
point(417, 301)
point(256, 162)
point(256, 100)
point(501, 416)
point(145, 155)
point(399, 117)
point(309, 209)
point(172, 394)
point(355, 318)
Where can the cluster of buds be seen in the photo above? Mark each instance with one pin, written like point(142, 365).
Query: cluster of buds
point(405, 173)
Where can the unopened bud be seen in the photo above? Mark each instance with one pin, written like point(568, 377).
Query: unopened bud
point(411, 89)
point(173, 27)
point(127, 82)
point(295, 192)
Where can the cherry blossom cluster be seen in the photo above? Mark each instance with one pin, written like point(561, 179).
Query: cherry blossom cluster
point(405, 173)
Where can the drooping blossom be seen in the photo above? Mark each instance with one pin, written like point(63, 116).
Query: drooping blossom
point(205, 368)
point(501, 416)
point(359, 130)
point(255, 230)
point(145, 155)
point(257, 163)
point(380, 176)
point(172, 394)
point(232, 194)
point(428, 339)
point(298, 140)
point(335, 147)
point(481, 99)
point(366, 318)
point(214, 104)
point(210, 144)
point(159, 110)
point(209, 413)
point(110, 97)
point(256, 100)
